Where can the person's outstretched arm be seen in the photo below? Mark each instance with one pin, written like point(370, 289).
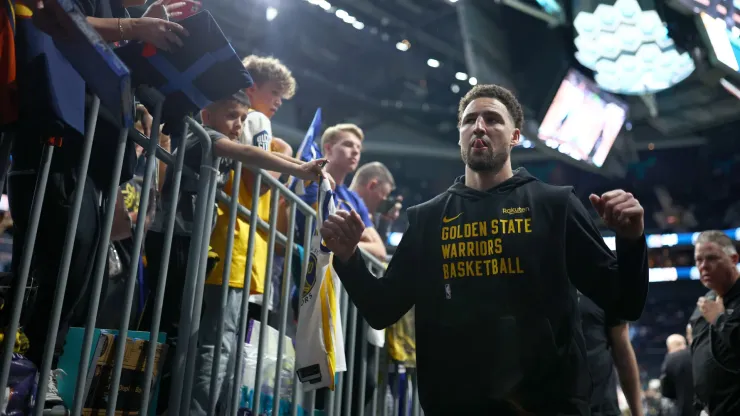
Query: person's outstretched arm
point(382, 302)
point(255, 156)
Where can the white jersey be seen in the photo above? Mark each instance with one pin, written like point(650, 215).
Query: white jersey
point(319, 341)
point(257, 131)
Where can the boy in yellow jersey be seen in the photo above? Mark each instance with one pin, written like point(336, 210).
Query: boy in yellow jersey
point(223, 121)
point(272, 83)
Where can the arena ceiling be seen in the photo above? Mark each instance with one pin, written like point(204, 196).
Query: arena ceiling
point(359, 74)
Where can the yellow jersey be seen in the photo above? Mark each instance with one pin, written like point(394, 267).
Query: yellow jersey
point(257, 132)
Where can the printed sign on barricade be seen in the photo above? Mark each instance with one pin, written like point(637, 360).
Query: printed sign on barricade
point(319, 340)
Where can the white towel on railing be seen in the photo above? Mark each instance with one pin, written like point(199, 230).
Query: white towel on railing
point(319, 341)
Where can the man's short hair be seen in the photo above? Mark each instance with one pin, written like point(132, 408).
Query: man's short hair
point(719, 238)
point(493, 91)
point(266, 69)
point(331, 135)
point(370, 171)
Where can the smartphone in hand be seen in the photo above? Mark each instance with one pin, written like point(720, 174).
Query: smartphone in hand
point(188, 9)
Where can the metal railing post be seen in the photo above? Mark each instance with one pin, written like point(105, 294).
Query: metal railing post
point(274, 208)
point(228, 254)
point(170, 216)
point(244, 312)
point(351, 345)
point(188, 293)
point(307, 236)
point(338, 393)
point(284, 304)
point(193, 334)
point(101, 262)
point(363, 370)
point(66, 259)
point(146, 187)
point(24, 269)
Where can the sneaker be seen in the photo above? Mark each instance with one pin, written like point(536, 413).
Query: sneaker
point(54, 405)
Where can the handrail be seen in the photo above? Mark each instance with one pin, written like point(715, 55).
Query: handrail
point(243, 211)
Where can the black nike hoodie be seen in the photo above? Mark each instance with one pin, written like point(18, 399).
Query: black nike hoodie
point(492, 275)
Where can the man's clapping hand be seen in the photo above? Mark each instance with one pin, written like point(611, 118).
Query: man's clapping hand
point(342, 232)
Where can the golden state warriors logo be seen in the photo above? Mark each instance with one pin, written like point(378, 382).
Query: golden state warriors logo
point(310, 274)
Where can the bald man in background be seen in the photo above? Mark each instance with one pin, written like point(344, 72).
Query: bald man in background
point(677, 381)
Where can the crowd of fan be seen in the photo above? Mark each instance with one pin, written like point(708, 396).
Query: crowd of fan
point(240, 129)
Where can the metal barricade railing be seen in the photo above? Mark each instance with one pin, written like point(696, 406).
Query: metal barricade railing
point(339, 402)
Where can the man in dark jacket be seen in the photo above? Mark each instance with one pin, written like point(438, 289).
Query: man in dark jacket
point(492, 266)
point(715, 348)
point(677, 382)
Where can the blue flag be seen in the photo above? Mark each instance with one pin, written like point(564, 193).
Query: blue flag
point(309, 150)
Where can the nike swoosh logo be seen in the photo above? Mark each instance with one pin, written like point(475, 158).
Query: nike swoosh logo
point(446, 220)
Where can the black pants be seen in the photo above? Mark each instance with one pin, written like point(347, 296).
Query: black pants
point(55, 216)
point(170, 318)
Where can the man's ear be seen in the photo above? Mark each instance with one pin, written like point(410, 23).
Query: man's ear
point(372, 184)
point(515, 137)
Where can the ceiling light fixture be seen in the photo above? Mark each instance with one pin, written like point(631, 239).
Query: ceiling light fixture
point(629, 49)
point(403, 45)
point(433, 63)
point(271, 14)
point(461, 76)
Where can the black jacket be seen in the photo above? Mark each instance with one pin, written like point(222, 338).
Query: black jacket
point(490, 274)
point(677, 382)
point(715, 352)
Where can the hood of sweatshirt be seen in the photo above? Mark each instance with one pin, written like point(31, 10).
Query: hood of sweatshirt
point(521, 176)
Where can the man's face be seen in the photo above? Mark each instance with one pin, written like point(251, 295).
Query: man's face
point(716, 268)
point(344, 153)
point(227, 118)
point(487, 135)
point(265, 98)
point(374, 193)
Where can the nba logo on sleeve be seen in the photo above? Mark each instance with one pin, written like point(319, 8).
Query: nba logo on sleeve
point(448, 291)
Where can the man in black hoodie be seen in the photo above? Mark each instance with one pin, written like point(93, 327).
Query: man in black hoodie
point(491, 266)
